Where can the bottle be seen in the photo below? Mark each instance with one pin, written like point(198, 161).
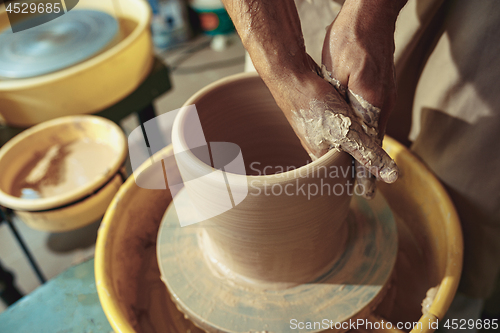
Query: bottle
point(170, 23)
point(214, 18)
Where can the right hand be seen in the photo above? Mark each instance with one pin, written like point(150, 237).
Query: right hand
point(322, 119)
point(318, 113)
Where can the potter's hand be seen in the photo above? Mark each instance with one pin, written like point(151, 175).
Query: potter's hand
point(358, 60)
point(322, 119)
point(320, 116)
point(358, 56)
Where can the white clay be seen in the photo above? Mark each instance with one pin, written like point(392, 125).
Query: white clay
point(429, 298)
point(270, 236)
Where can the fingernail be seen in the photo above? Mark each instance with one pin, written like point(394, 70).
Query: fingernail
point(389, 174)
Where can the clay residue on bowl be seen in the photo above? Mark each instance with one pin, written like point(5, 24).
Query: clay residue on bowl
point(127, 26)
point(62, 168)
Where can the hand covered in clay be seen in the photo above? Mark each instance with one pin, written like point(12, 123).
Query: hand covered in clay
point(316, 101)
point(358, 61)
point(323, 119)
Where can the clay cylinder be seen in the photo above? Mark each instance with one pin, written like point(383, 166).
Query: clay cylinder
point(285, 220)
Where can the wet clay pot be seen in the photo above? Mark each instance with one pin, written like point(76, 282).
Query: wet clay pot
point(269, 215)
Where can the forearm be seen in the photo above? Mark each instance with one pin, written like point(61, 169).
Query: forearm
point(271, 33)
point(385, 11)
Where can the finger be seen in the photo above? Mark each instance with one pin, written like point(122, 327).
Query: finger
point(369, 154)
point(366, 180)
point(369, 117)
point(368, 113)
point(357, 138)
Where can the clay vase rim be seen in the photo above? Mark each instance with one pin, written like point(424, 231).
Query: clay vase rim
point(52, 202)
point(178, 139)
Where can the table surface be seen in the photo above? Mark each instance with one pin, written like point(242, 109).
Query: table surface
point(67, 303)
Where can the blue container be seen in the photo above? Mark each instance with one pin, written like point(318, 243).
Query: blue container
point(170, 23)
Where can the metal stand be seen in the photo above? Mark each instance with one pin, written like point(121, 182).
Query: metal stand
point(6, 215)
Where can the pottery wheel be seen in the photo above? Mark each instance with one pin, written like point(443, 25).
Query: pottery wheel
point(352, 287)
point(65, 41)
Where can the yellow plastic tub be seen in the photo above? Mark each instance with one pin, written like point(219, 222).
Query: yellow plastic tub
point(80, 206)
point(92, 85)
point(135, 299)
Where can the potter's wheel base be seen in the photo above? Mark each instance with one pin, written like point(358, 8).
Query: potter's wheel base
point(353, 286)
